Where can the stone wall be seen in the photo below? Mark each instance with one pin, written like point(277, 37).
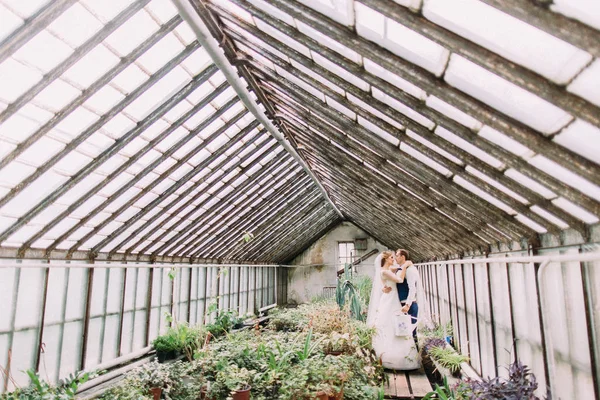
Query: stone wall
point(318, 264)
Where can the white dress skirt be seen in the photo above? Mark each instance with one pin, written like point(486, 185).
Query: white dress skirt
point(395, 352)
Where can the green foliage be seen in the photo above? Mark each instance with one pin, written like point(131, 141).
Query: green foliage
point(182, 339)
point(247, 237)
point(288, 320)
point(172, 274)
point(278, 365)
point(137, 384)
point(40, 389)
point(448, 358)
point(308, 347)
point(363, 285)
point(346, 293)
point(235, 378)
point(438, 331)
point(443, 392)
point(225, 320)
point(166, 343)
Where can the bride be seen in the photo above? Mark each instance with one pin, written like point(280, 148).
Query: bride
point(395, 352)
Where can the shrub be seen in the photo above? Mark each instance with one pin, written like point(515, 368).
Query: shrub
point(40, 389)
point(288, 320)
point(520, 385)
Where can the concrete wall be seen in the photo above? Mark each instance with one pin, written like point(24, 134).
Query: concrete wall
point(304, 283)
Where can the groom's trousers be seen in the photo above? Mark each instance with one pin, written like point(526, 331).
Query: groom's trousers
point(413, 311)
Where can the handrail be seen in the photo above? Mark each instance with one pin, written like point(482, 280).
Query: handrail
point(585, 257)
point(14, 264)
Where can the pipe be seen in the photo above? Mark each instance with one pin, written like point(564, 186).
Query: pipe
point(107, 377)
point(546, 329)
point(210, 44)
point(582, 257)
point(585, 257)
point(21, 265)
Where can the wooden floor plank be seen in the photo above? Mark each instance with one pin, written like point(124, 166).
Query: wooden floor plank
point(419, 384)
point(402, 390)
point(390, 387)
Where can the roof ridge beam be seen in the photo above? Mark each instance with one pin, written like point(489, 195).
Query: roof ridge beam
point(209, 43)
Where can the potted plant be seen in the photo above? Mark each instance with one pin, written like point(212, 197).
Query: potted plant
point(166, 347)
point(237, 381)
point(337, 344)
point(156, 378)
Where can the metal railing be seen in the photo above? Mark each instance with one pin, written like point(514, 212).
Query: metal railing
point(60, 317)
point(543, 310)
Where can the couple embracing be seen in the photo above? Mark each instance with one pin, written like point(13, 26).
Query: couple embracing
point(396, 291)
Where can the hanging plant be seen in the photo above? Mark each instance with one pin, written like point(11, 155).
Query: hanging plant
point(247, 237)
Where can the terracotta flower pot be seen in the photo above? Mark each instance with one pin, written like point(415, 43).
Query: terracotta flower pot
point(242, 394)
point(321, 396)
point(337, 396)
point(156, 392)
point(204, 394)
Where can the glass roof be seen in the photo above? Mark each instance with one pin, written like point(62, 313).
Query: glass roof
point(120, 138)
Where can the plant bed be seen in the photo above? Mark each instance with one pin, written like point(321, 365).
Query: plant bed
point(271, 364)
point(431, 370)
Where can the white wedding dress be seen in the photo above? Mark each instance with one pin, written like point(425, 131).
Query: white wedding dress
point(398, 353)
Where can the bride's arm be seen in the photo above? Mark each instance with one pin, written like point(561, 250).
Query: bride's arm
point(402, 269)
point(391, 276)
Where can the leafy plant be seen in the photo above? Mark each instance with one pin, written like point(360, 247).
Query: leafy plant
point(338, 343)
point(363, 285)
point(247, 237)
point(443, 392)
point(225, 320)
point(180, 338)
point(40, 389)
point(235, 378)
point(431, 342)
point(520, 385)
point(347, 293)
point(448, 358)
point(308, 347)
point(288, 320)
point(166, 343)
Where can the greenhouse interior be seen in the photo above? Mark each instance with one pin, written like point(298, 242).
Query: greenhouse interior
point(300, 199)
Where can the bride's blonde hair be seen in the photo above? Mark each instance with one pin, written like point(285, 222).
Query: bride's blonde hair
point(385, 255)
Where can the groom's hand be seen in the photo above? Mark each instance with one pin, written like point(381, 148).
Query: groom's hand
point(386, 289)
point(405, 309)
